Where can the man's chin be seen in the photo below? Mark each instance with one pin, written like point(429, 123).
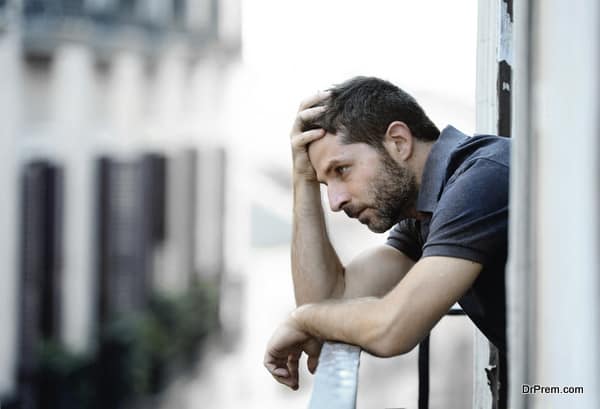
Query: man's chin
point(378, 227)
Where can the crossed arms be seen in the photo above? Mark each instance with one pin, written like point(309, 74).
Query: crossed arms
point(382, 301)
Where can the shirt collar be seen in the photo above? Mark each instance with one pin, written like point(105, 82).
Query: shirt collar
point(435, 168)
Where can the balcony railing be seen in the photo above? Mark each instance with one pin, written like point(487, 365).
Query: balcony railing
point(336, 380)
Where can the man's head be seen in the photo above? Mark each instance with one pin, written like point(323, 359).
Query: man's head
point(363, 108)
point(371, 155)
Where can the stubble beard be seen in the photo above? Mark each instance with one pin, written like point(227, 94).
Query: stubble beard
point(394, 191)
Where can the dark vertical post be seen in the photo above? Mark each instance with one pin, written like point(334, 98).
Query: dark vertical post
point(497, 370)
point(424, 373)
point(189, 162)
point(155, 183)
point(41, 248)
point(102, 234)
point(504, 82)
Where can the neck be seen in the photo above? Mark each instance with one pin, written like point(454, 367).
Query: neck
point(421, 153)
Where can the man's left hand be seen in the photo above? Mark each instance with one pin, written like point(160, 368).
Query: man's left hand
point(284, 350)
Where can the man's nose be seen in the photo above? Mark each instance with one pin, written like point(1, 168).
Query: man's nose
point(337, 198)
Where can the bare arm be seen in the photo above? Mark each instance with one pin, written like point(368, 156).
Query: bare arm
point(385, 326)
point(394, 324)
point(317, 271)
point(375, 272)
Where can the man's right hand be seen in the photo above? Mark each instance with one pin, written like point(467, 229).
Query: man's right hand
point(308, 110)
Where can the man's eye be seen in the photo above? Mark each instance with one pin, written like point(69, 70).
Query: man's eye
point(340, 170)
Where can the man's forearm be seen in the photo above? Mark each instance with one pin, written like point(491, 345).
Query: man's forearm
point(361, 321)
point(396, 323)
point(316, 269)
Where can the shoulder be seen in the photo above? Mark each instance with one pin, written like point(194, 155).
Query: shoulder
point(479, 182)
point(490, 147)
point(483, 157)
point(471, 218)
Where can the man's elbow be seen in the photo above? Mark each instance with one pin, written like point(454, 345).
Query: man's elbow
point(387, 341)
point(386, 348)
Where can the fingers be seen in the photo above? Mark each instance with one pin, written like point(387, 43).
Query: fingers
point(282, 353)
point(292, 365)
point(280, 372)
point(293, 385)
point(286, 373)
point(312, 347)
point(313, 350)
point(302, 134)
point(311, 364)
point(310, 113)
point(306, 115)
point(283, 366)
point(299, 141)
point(314, 99)
point(276, 366)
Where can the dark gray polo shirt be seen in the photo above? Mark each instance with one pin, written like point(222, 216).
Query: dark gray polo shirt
point(464, 193)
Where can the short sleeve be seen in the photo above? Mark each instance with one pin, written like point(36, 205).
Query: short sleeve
point(471, 218)
point(405, 236)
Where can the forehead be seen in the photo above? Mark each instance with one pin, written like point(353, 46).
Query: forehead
point(330, 149)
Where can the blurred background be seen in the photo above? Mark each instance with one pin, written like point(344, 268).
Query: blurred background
point(147, 191)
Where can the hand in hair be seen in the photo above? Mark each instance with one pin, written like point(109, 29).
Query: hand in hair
point(301, 138)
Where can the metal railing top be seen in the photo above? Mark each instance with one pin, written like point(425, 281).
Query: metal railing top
point(336, 381)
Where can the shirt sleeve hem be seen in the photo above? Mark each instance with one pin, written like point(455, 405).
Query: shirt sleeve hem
point(411, 253)
point(445, 250)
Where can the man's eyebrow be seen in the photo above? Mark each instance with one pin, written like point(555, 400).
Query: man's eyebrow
point(332, 163)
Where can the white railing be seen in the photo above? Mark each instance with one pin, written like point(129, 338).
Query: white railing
point(336, 380)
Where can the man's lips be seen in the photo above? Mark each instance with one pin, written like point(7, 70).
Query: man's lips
point(353, 214)
point(359, 216)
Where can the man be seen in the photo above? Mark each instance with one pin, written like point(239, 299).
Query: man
point(386, 164)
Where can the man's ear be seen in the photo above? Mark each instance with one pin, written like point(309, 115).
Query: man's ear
point(398, 140)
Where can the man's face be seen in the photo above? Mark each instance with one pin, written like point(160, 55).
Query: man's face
point(363, 182)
